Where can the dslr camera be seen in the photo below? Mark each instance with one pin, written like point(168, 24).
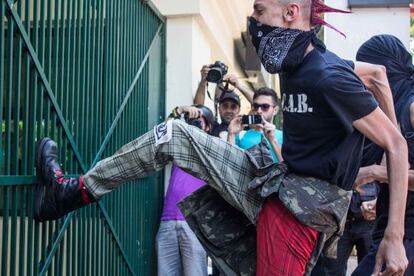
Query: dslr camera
point(217, 72)
point(193, 121)
point(204, 112)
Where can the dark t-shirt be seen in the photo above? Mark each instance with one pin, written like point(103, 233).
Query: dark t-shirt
point(321, 99)
point(218, 128)
point(383, 198)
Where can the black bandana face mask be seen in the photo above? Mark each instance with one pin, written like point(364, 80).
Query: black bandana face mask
point(281, 49)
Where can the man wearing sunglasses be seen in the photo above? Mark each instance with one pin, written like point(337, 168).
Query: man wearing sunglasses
point(266, 105)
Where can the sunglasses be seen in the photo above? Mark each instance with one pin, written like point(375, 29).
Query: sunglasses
point(264, 107)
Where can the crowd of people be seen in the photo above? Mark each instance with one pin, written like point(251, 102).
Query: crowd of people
point(265, 201)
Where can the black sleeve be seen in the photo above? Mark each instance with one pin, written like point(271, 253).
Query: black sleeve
point(350, 63)
point(347, 97)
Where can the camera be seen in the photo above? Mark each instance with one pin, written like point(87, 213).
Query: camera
point(194, 122)
point(217, 71)
point(205, 112)
point(251, 119)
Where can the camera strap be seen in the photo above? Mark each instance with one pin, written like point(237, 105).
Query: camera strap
point(215, 100)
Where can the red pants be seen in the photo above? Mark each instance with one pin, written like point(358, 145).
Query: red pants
point(284, 245)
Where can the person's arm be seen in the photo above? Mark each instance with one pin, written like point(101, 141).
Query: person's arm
point(379, 173)
point(247, 93)
point(375, 79)
point(277, 148)
point(269, 132)
point(200, 96)
point(391, 251)
point(192, 111)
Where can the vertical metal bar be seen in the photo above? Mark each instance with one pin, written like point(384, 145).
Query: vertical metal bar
point(100, 262)
point(27, 160)
point(62, 248)
point(13, 234)
point(88, 97)
point(93, 143)
point(68, 267)
point(2, 85)
point(74, 245)
point(9, 98)
point(79, 93)
point(72, 73)
point(17, 60)
point(100, 63)
point(83, 125)
point(62, 73)
point(16, 143)
point(36, 120)
point(57, 46)
point(5, 231)
point(8, 90)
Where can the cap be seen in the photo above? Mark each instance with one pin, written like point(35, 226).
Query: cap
point(229, 95)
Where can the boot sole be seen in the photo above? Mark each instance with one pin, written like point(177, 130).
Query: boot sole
point(40, 186)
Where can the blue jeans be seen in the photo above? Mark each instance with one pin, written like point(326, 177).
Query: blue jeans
point(366, 267)
point(356, 233)
point(178, 250)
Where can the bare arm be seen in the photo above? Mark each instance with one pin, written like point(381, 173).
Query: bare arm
point(277, 148)
point(200, 96)
point(391, 251)
point(375, 79)
point(247, 93)
point(379, 173)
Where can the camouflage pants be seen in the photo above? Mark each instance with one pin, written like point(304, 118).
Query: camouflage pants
point(226, 168)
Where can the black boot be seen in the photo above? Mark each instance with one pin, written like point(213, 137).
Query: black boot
point(55, 195)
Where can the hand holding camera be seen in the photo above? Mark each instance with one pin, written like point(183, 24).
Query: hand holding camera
point(191, 112)
point(204, 72)
point(242, 121)
point(269, 130)
point(233, 80)
point(216, 72)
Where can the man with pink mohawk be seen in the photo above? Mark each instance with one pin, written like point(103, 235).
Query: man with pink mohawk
point(327, 113)
point(298, 206)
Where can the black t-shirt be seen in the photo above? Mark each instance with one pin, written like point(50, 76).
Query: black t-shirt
point(219, 128)
point(321, 99)
point(383, 198)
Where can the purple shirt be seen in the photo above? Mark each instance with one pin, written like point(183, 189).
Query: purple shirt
point(181, 185)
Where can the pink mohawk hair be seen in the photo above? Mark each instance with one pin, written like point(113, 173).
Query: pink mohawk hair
point(318, 8)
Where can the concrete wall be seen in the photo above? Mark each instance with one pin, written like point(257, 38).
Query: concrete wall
point(362, 24)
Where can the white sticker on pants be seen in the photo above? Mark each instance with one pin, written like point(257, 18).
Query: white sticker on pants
point(163, 132)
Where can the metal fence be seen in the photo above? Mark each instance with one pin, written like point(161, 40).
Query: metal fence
point(89, 74)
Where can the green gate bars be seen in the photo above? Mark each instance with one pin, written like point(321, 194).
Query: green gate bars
point(89, 74)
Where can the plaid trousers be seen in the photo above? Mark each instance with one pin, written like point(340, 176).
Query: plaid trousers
point(225, 167)
point(235, 174)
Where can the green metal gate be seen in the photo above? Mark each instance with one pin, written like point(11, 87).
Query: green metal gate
point(90, 74)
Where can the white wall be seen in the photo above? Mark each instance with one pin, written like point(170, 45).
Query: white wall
point(199, 32)
point(179, 62)
point(362, 24)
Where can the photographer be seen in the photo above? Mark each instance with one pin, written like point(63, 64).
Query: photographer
point(265, 105)
point(178, 250)
point(228, 101)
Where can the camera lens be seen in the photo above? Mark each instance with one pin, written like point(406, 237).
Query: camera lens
point(214, 75)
